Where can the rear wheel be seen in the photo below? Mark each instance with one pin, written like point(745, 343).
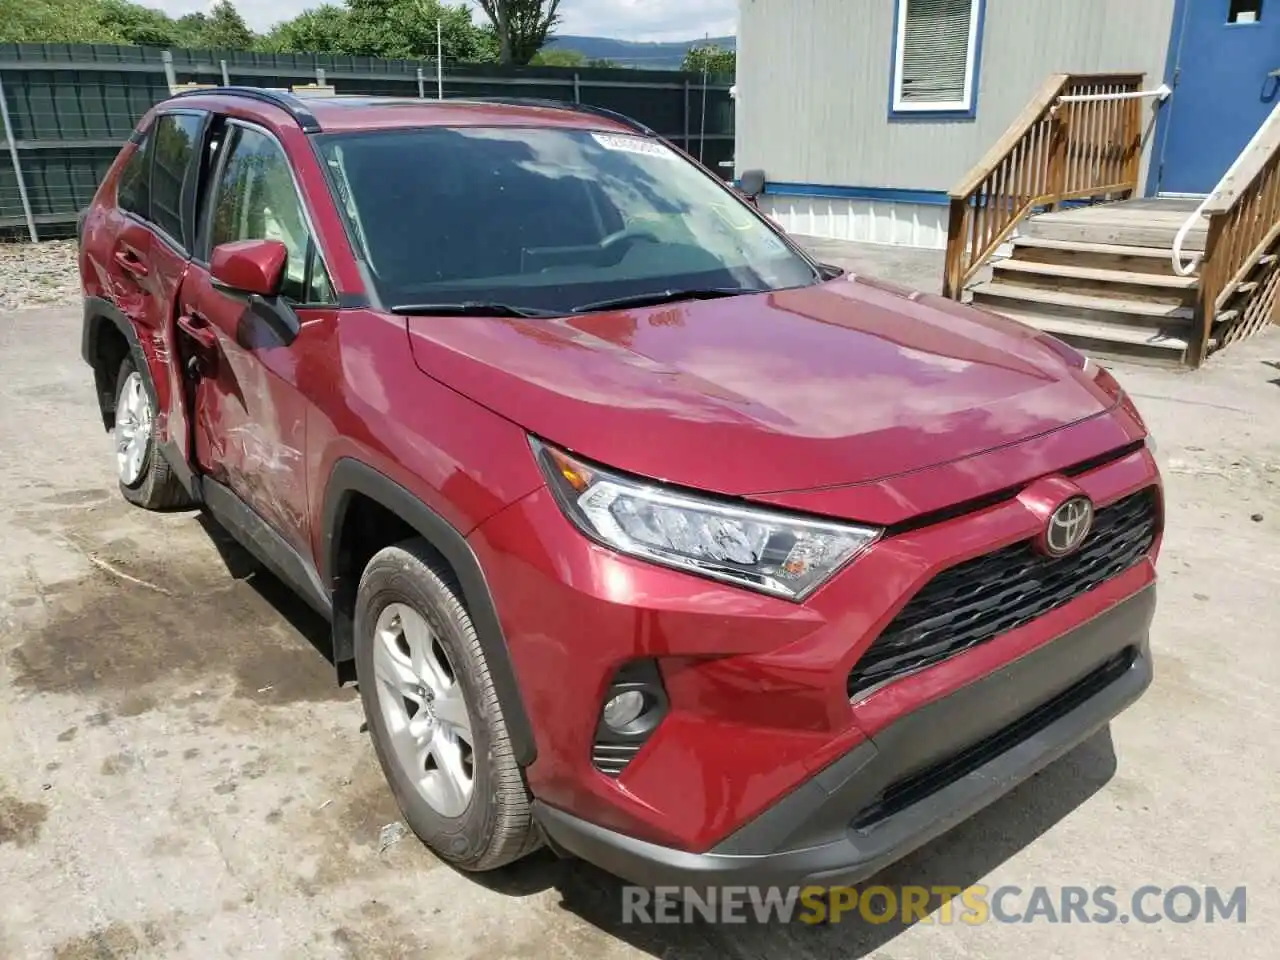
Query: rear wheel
point(144, 474)
point(435, 720)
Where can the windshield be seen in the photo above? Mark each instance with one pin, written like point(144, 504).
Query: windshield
point(545, 220)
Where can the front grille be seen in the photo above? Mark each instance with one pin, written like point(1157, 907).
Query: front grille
point(916, 787)
point(982, 598)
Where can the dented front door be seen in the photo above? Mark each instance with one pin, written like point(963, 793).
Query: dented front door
point(250, 415)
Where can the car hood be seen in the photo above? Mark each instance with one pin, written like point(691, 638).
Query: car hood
point(844, 382)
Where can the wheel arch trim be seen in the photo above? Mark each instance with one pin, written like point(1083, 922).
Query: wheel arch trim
point(350, 476)
point(99, 312)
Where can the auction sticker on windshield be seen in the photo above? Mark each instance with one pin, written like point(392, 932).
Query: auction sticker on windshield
point(632, 145)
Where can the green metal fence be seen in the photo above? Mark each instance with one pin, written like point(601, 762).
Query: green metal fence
point(68, 108)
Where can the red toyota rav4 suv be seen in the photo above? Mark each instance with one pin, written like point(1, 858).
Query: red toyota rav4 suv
point(643, 534)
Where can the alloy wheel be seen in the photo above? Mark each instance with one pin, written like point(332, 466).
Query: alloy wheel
point(424, 709)
point(132, 430)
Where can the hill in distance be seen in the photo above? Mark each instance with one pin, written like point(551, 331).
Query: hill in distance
point(628, 53)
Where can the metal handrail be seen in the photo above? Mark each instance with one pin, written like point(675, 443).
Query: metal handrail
point(1161, 92)
point(1187, 269)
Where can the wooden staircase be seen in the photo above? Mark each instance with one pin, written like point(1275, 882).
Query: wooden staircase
point(1044, 231)
point(1097, 282)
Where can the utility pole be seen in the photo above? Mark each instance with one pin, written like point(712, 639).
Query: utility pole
point(439, 61)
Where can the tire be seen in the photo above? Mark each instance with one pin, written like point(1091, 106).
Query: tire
point(490, 825)
point(145, 477)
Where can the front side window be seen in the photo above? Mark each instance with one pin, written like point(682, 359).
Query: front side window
point(545, 219)
point(935, 55)
point(256, 200)
point(177, 138)
point(133, 192)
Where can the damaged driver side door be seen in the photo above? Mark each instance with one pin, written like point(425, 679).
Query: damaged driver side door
point(250, 415)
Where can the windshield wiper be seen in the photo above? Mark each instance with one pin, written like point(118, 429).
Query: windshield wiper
point(656, 297)
point(471, 308)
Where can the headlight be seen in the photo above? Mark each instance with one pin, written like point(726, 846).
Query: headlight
point(760, 549)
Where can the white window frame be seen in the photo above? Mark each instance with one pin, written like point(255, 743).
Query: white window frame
point(971, 57)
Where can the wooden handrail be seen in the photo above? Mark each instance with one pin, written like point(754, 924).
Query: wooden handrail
point(1052, 152)
point(1244, 227)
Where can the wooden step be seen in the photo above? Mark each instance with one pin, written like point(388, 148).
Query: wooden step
point(1110, 227)
point(1081, 306)
point(1114, 249)
point(1103, 332)
point(1104, 256)
point(1106, 342)
point(1121, 284)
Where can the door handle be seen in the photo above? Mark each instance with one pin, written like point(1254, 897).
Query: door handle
point(197, 327)
point(132, 262)
point(204, 361)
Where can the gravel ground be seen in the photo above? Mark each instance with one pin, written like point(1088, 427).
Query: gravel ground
point(38, 274)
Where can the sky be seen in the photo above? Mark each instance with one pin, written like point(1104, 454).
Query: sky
point(624, 19)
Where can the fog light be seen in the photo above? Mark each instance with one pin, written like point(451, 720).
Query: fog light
point(623, 710)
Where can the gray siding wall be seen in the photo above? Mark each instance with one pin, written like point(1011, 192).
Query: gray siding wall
point(813, 83)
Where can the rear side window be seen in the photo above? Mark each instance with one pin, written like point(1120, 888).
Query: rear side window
point(177, 138)
point(133, 192)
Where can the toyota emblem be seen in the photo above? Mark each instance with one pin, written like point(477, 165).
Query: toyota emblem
point(1068, 527)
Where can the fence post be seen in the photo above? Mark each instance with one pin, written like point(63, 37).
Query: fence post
point(577, 87)
point(422, 85)
point(226, 77)
point(1059, 137)
point(686, 117)
point(17, 165)
point(958, 231)
point(170, 77)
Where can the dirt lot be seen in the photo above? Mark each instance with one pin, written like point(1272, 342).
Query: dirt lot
point(179, 777)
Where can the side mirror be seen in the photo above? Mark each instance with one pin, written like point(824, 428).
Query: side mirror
point(249, 266)
point(752, 183)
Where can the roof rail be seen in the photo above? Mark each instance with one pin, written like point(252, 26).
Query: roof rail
point(292, 105)
point(608, 114)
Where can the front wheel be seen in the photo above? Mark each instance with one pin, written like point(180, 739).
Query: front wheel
point(433, 715)
point(146, 480)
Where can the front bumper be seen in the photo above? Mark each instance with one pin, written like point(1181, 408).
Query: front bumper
point(916, 778)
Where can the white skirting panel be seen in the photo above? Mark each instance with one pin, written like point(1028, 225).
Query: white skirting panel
point(867, 221)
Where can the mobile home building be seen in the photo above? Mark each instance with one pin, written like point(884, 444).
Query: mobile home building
point(863, 114)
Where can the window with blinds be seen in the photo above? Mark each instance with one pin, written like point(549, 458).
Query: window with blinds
point(935, 54)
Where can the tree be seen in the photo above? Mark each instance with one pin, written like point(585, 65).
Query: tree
point(322, 30)
point(137, 24)
point(53, 21)
point(190, 29)
point(710, 59)
point(396, 29)
point(521, 26)
point(558, 57)
point(225, 29)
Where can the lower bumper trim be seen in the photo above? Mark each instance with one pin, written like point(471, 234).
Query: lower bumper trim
point(884, 800)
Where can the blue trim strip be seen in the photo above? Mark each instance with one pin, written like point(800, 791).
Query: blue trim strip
point(1173, 55)
point(938, 198)
point(933, 116)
